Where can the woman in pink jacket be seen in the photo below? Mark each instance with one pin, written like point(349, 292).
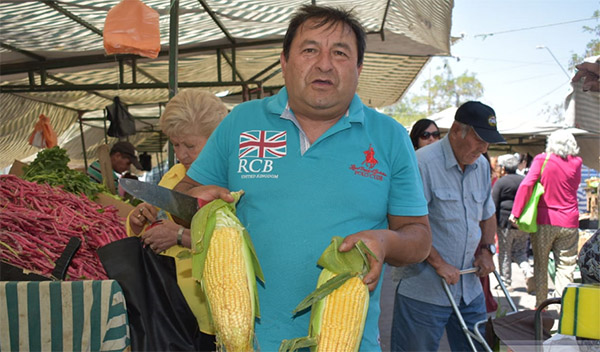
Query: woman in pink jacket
point(558, 213)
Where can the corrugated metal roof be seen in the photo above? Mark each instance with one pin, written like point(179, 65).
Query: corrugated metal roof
point(52, 59)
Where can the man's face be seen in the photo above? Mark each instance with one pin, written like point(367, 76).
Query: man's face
point(321, 73)
point(468, 149)
point(120, 162)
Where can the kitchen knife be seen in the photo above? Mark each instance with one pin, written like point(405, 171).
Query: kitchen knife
point(178, 204)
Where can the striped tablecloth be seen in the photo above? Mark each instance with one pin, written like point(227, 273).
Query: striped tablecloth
point(63, 316)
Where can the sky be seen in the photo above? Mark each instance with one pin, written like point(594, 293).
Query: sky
point(500, 47)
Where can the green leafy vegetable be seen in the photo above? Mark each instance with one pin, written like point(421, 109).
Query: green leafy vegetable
point(51, 166)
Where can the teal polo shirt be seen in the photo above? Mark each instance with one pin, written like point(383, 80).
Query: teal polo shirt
point(298, 196)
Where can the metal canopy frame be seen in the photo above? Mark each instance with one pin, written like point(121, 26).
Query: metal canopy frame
point(238, 54)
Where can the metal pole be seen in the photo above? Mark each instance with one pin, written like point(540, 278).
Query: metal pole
point(104, 120)
point(85, 163)
point(555, 59)
point(173, 62)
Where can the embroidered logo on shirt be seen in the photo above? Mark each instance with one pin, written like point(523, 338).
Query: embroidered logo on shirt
point(263, 144)
point(370, 162)
point(370, 157)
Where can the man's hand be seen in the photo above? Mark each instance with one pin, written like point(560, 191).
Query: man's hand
point(372, 239)
point(210, 193)
point(484, 261)
point(449, 273)
point(206, 193)
point(407, 241)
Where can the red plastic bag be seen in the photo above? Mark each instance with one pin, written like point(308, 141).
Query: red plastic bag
point(43, 136)
point(131, 27)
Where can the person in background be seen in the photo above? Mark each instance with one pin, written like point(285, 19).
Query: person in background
point(457, 184)
point(588, 260)
point(424, 132)
point(524, 163)
point(558, 213)
point(494, 167)
point(333, 166)
point(512, 242)
point(188, 120)
point(122, 155)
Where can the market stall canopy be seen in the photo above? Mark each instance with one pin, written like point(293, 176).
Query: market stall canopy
point(583, 107)
point(530, 137)
point(53, 62)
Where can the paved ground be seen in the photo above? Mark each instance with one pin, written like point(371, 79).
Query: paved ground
point(520, 297)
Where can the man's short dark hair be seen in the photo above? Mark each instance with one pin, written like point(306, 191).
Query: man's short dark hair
point(327, 16)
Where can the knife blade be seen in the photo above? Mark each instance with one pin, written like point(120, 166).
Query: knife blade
point(178, 204)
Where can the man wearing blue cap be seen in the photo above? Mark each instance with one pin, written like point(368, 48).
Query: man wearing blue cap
point(457, 186)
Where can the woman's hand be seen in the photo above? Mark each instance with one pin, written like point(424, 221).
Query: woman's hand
point(141, 215)
point(161, 236)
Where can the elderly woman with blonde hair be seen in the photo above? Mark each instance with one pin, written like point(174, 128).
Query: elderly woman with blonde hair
point(558, 212)
point(188, 120)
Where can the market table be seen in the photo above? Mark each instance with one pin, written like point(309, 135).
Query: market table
point(63, 315)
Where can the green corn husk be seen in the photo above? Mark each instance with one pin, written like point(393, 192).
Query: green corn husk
point(220, 213)
point(338, 267)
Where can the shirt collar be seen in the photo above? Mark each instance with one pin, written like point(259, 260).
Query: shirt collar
point(449, 158)
point(280, 106)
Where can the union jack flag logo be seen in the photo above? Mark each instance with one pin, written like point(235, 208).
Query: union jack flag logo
point(263, 144)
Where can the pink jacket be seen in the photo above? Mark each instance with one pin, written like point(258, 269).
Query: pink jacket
point(561, 178)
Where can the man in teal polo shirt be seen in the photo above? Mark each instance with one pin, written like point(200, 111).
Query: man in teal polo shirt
point(315, 162)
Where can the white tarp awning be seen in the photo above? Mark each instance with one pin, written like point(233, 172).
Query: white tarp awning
point(55, 45)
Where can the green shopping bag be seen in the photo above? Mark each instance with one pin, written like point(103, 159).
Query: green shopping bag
point(528, 220)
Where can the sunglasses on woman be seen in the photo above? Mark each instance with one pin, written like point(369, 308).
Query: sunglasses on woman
point(426, 135)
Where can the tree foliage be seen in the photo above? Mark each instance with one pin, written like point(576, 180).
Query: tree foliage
point(592, 48)
point(440, 92)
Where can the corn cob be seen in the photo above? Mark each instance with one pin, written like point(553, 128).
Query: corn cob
point(340, 303)
point(225, 264)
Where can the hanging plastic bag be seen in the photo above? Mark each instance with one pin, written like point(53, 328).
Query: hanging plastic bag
point(122, 123)
point(43, 136)
point(131, 27)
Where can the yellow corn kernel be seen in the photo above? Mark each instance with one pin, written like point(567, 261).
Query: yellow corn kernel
point(228, 292)
point(343, 317)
